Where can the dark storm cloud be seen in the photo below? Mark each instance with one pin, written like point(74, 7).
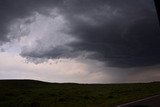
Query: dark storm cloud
point(125, 33)
point(122, 33)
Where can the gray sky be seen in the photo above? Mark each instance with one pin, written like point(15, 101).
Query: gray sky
point(84, 41)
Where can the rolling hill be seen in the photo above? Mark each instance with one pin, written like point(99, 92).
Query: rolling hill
point(31, 93)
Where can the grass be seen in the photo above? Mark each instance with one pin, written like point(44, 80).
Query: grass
point(29, 93)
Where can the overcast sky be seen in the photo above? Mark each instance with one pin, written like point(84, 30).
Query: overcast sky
point(84, 41)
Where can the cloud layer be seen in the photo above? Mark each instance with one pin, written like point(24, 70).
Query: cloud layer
point(120, 33)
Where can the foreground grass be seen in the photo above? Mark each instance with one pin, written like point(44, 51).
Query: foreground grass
point(27, 93)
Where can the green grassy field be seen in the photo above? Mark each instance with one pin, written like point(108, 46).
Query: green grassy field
point(28, 93)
